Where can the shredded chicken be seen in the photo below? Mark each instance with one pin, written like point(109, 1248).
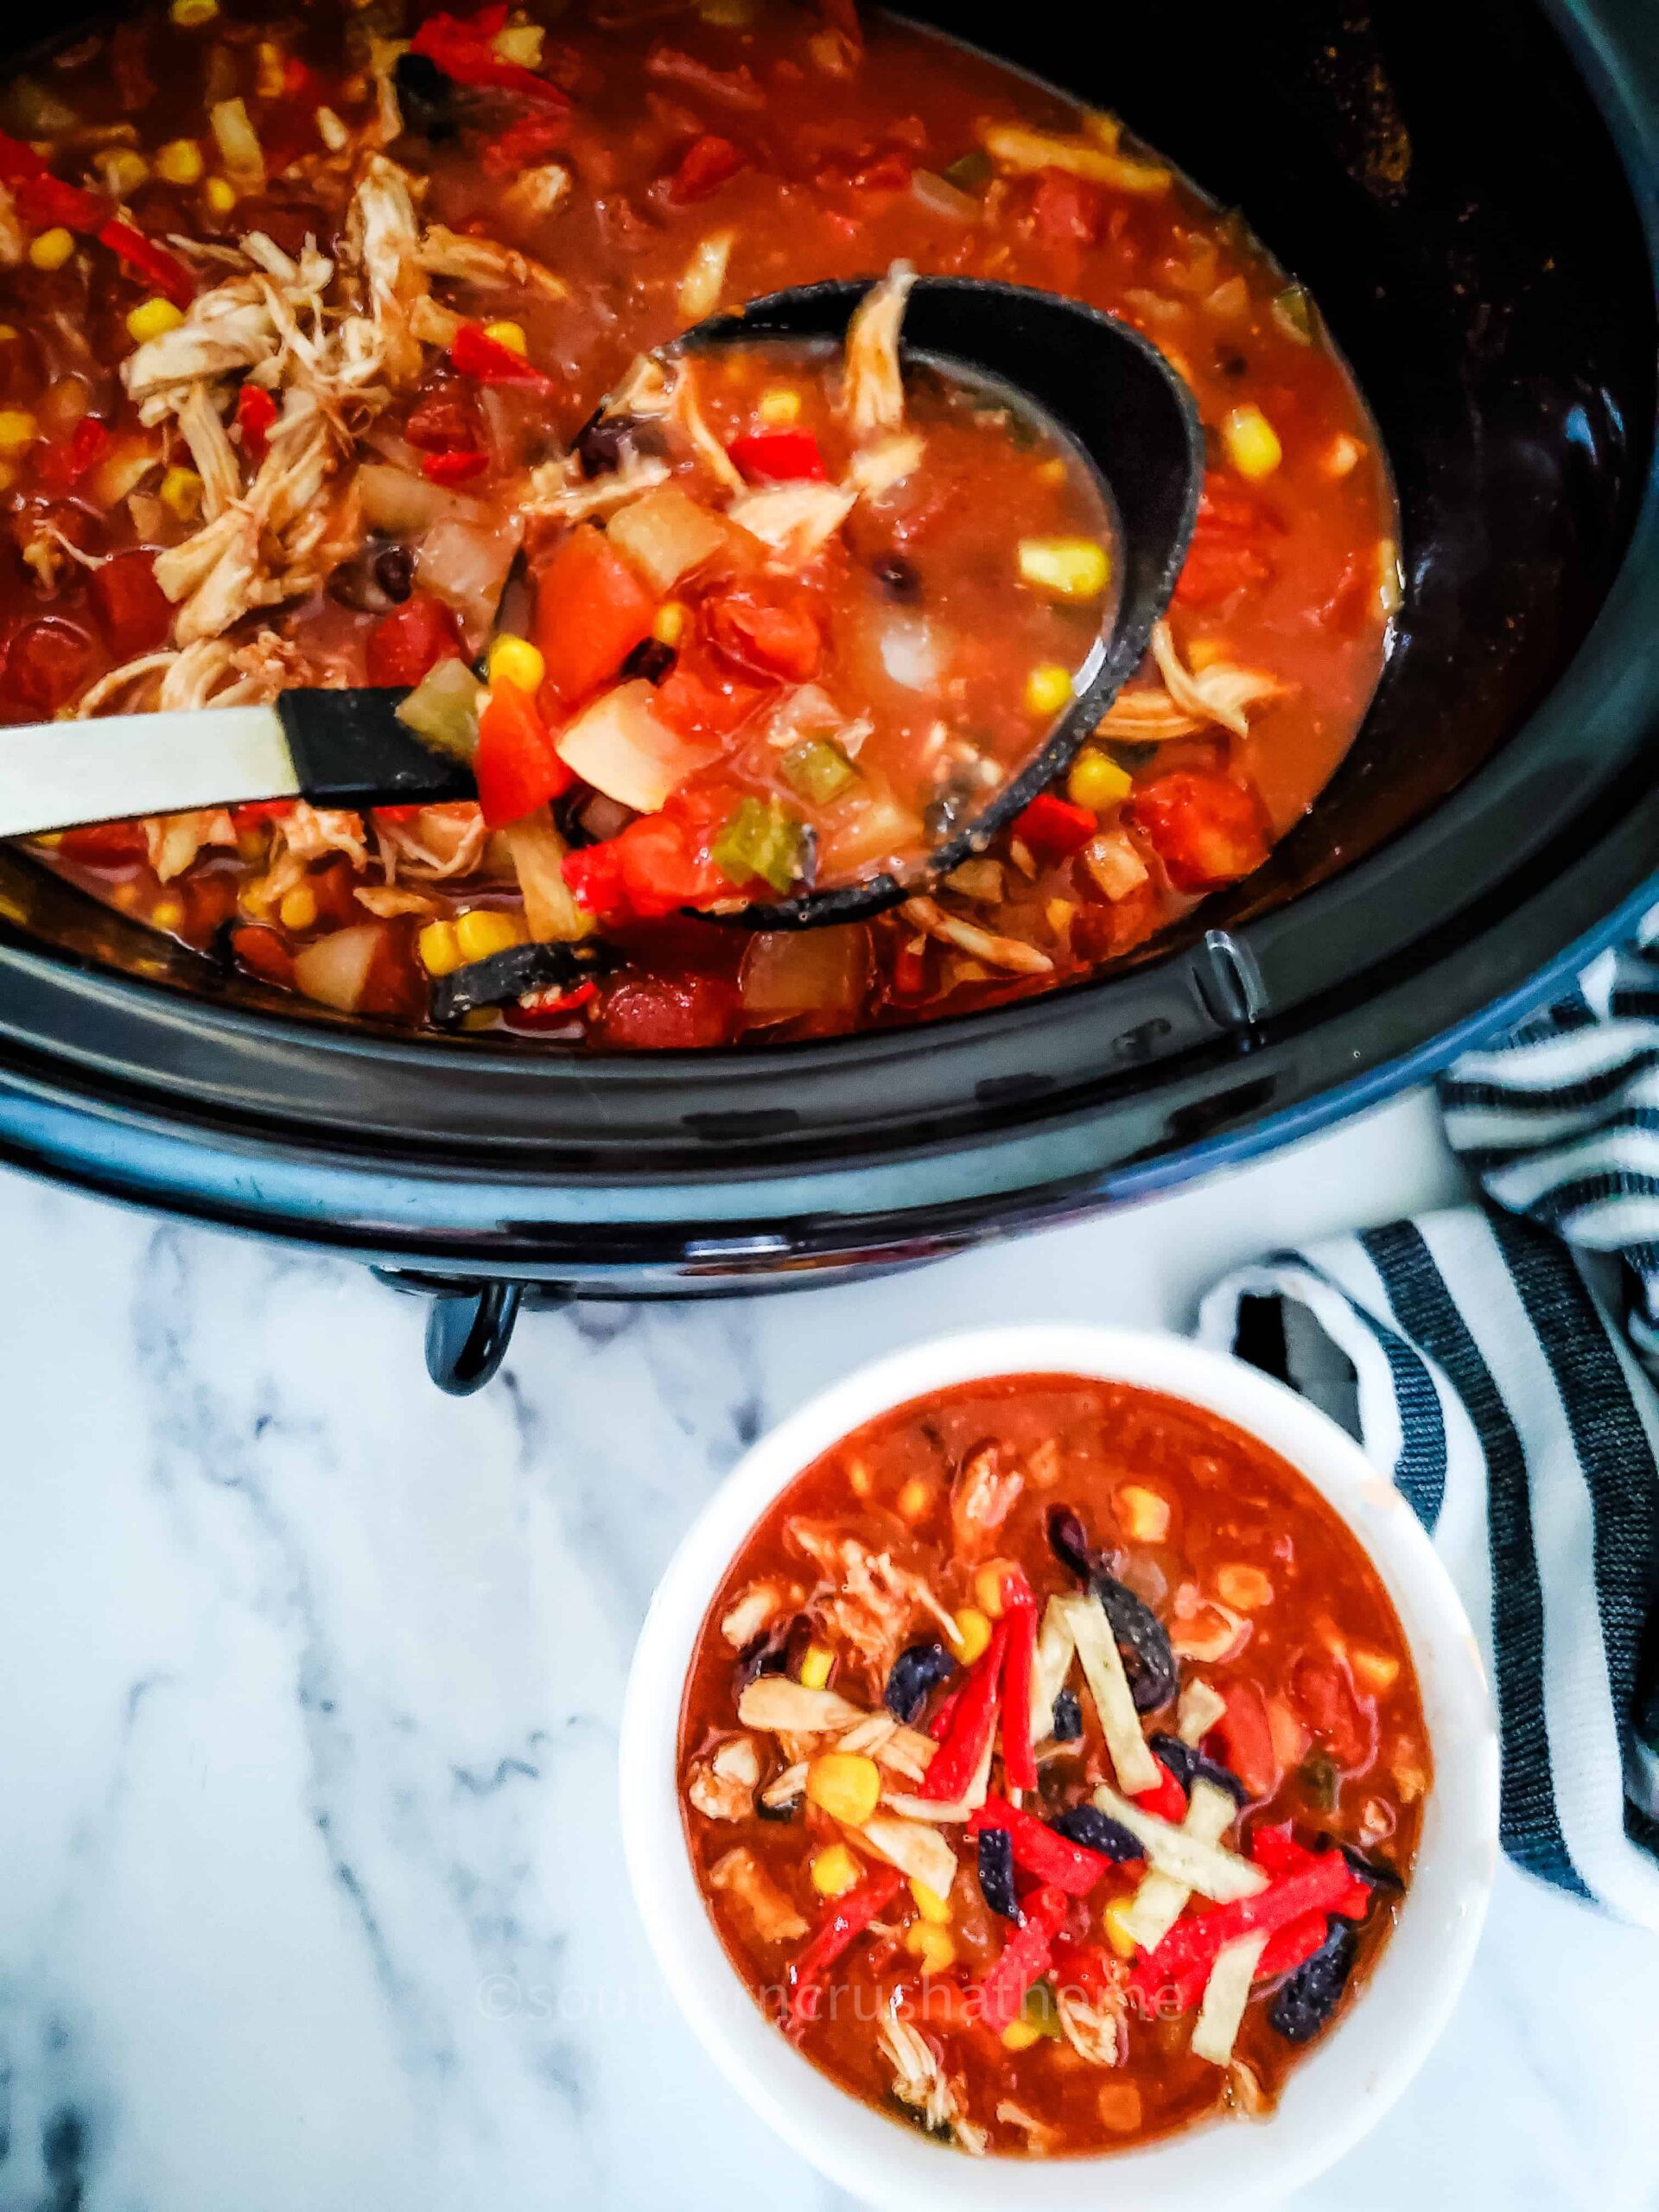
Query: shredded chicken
point(1093, 2026)
point(388, 902)
point(1245, 2093)
point(775, 1918)
point(920, 2083)
point(873, 396)
point(558, 488)
point(723, 1784)
point(383, 236)
point(174, 841)
point(983, 1493)
point(1041, 2139)
point(438, 844)
point(1009, 952)
point(1190, 700)
point(869, 1601)
point(312, 833)
point(755, 1607)
point(487, 263)
point(796, 520)
point(876, 468)
point(537, 193)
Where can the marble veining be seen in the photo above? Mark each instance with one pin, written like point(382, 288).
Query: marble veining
point(312, 1897)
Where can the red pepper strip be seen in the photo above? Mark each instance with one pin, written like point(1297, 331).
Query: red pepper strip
point(1326, 1886)
point(940, 1727)
point(515, 765)
point(549, 1009)
point(1167, 1800)
point(1053, 1857)
point(781, 457)
point(256, 412)
point(18, 160)
point(486, 361)
point(848, 1917)
point(151, 262)
point(953, 1766)
point(1288, 1947)
point(44, 201)
point(452, 467)
point(1053, 826)
point(1025, 1956)
point(1020, 1610)
point(463, 48)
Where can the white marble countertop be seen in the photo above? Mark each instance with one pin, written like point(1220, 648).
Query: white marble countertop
point(312, 1899)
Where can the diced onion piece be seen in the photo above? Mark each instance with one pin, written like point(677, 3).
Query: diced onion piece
point(1158, 1903)
point(621, 747)
point(869, 825)
point(443, 709)
point(130, 458)
point(1201, 1707)
point(1109, 1686)
point(238, 142)
point(403, 506)
point(1056, 1647)
point(786, 972)
point(666, 535)
point(1225, 1995)
point(1011, 146)
point(1113, 862)
point(464, 560)
point(550, 908)
point(774, 1702)
point(910, 652)
point(914, 1847)
point(796, 520)
point(1220, 1875)
point(705, 276)
point(334, 970)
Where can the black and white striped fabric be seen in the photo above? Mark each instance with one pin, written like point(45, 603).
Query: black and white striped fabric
point(1490, 1381)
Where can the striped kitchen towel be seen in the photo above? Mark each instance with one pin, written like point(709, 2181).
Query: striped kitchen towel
point(1485, 1373)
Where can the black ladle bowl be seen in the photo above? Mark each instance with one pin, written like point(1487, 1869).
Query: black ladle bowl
point(1132, 418)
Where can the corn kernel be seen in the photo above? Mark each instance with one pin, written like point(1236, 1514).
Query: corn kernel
point(929, 1904)
point(520, 43)
point(834, 1871)
point(860, 1480)
point(50, 838)
point(1119, 2106)
point(1205, 652)
point(780, 407)
point(987, 1586)
point(481, 1017)
point(152, 319)
point(516, 661)
point(179, 492)
point(440, 949)
point(1144, 1514)
point(8, 332)
point(18, 429)
point(1066, 568)
point(52, 248)
point(1112, 1927)
point(299, 909)
point(973, 1633)
point(669, 626)
point(1048, 688)
point(188, 14)
point(122, 170)
point(931, 1945)
point(844, 1784)
point(914, 1499)
point(1019, 2035)
point(510, 334)
point(1375, 1670)
point(220, 195)
point(179, 162)
point(1059, 913)
point(1341, 457)
point(167, 914)
point(815, 1667)
point(1246, 1589)
point(1252, 442)
point(484, 931)
point(1050, 472)
point(1096, 781)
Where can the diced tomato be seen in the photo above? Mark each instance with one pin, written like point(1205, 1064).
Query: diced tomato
point(706, 164)
point(652, 868)
point(262, 952)
point(454, 467)
point(1227, 553)
point(1205, 829)
point(104, 844)
point(516, 767)
point(1319, 1690)
point(444, 420)
point(592, 609)
point(768, 629)
point(47, 662)
point(256, 412)
point(1053, 826)
point(133, 612)
point(463, 48)
point(1244, 1737)
point(414, 638)
point(1068, 210)
point(62, 464)
point(652, 1014)
point(522, 144)
point(703, 696)
point(779, 457)
point(486, 361)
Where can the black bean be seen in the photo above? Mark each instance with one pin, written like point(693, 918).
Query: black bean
point(1188, 1764)
point(1142, 1638)
point(604, 441)
point(1069, 1541)
point(1376, 1873)
point(375, 580)
point(651, 658)
point(1097, 1831)
point(426, 96)
point(1306, 2000)
point(996, 1872)
point(897, 576)
point(1067, 1723)
point(394, 571)
point(507, 975)
point(916, 1673)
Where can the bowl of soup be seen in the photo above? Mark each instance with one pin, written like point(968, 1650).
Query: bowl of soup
point(1055, 1745)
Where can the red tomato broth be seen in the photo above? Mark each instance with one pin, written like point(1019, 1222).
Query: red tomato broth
point(1327, 1640)
point(826, 143)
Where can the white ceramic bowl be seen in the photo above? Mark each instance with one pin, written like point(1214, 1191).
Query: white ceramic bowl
point(1347, 2080)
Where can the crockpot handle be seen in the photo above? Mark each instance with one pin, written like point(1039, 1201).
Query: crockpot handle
point(467, 1334)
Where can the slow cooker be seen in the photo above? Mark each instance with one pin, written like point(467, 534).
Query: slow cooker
point(1471, 187)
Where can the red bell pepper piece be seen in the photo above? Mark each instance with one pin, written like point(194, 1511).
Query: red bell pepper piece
point(768, 630)
point(523, 144)
point(1025, 1956)
point(953, 1765)
point(1019, 1611)
point(133, 613)
point(1328, 1884)
point(780, 456)
point(516, 767)
point(1167, 1800)
point(151, 262)
point(706, 164)
point(61, 465)
point(18, 160)
point(412, 639)
point(1039, 1849)
point(255, 414)
point(652, 868)
point(1054, 827)
point(463, 47)
point(1288, 1947)
point(486, 360)
point(1244, 1735)
point(847, 1918)
point(44, 201)
point(940, 1727)
point(448, 469)
point(592, 609)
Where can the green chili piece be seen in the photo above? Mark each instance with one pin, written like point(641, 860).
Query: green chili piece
point(818, 769)
point(762, 839)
